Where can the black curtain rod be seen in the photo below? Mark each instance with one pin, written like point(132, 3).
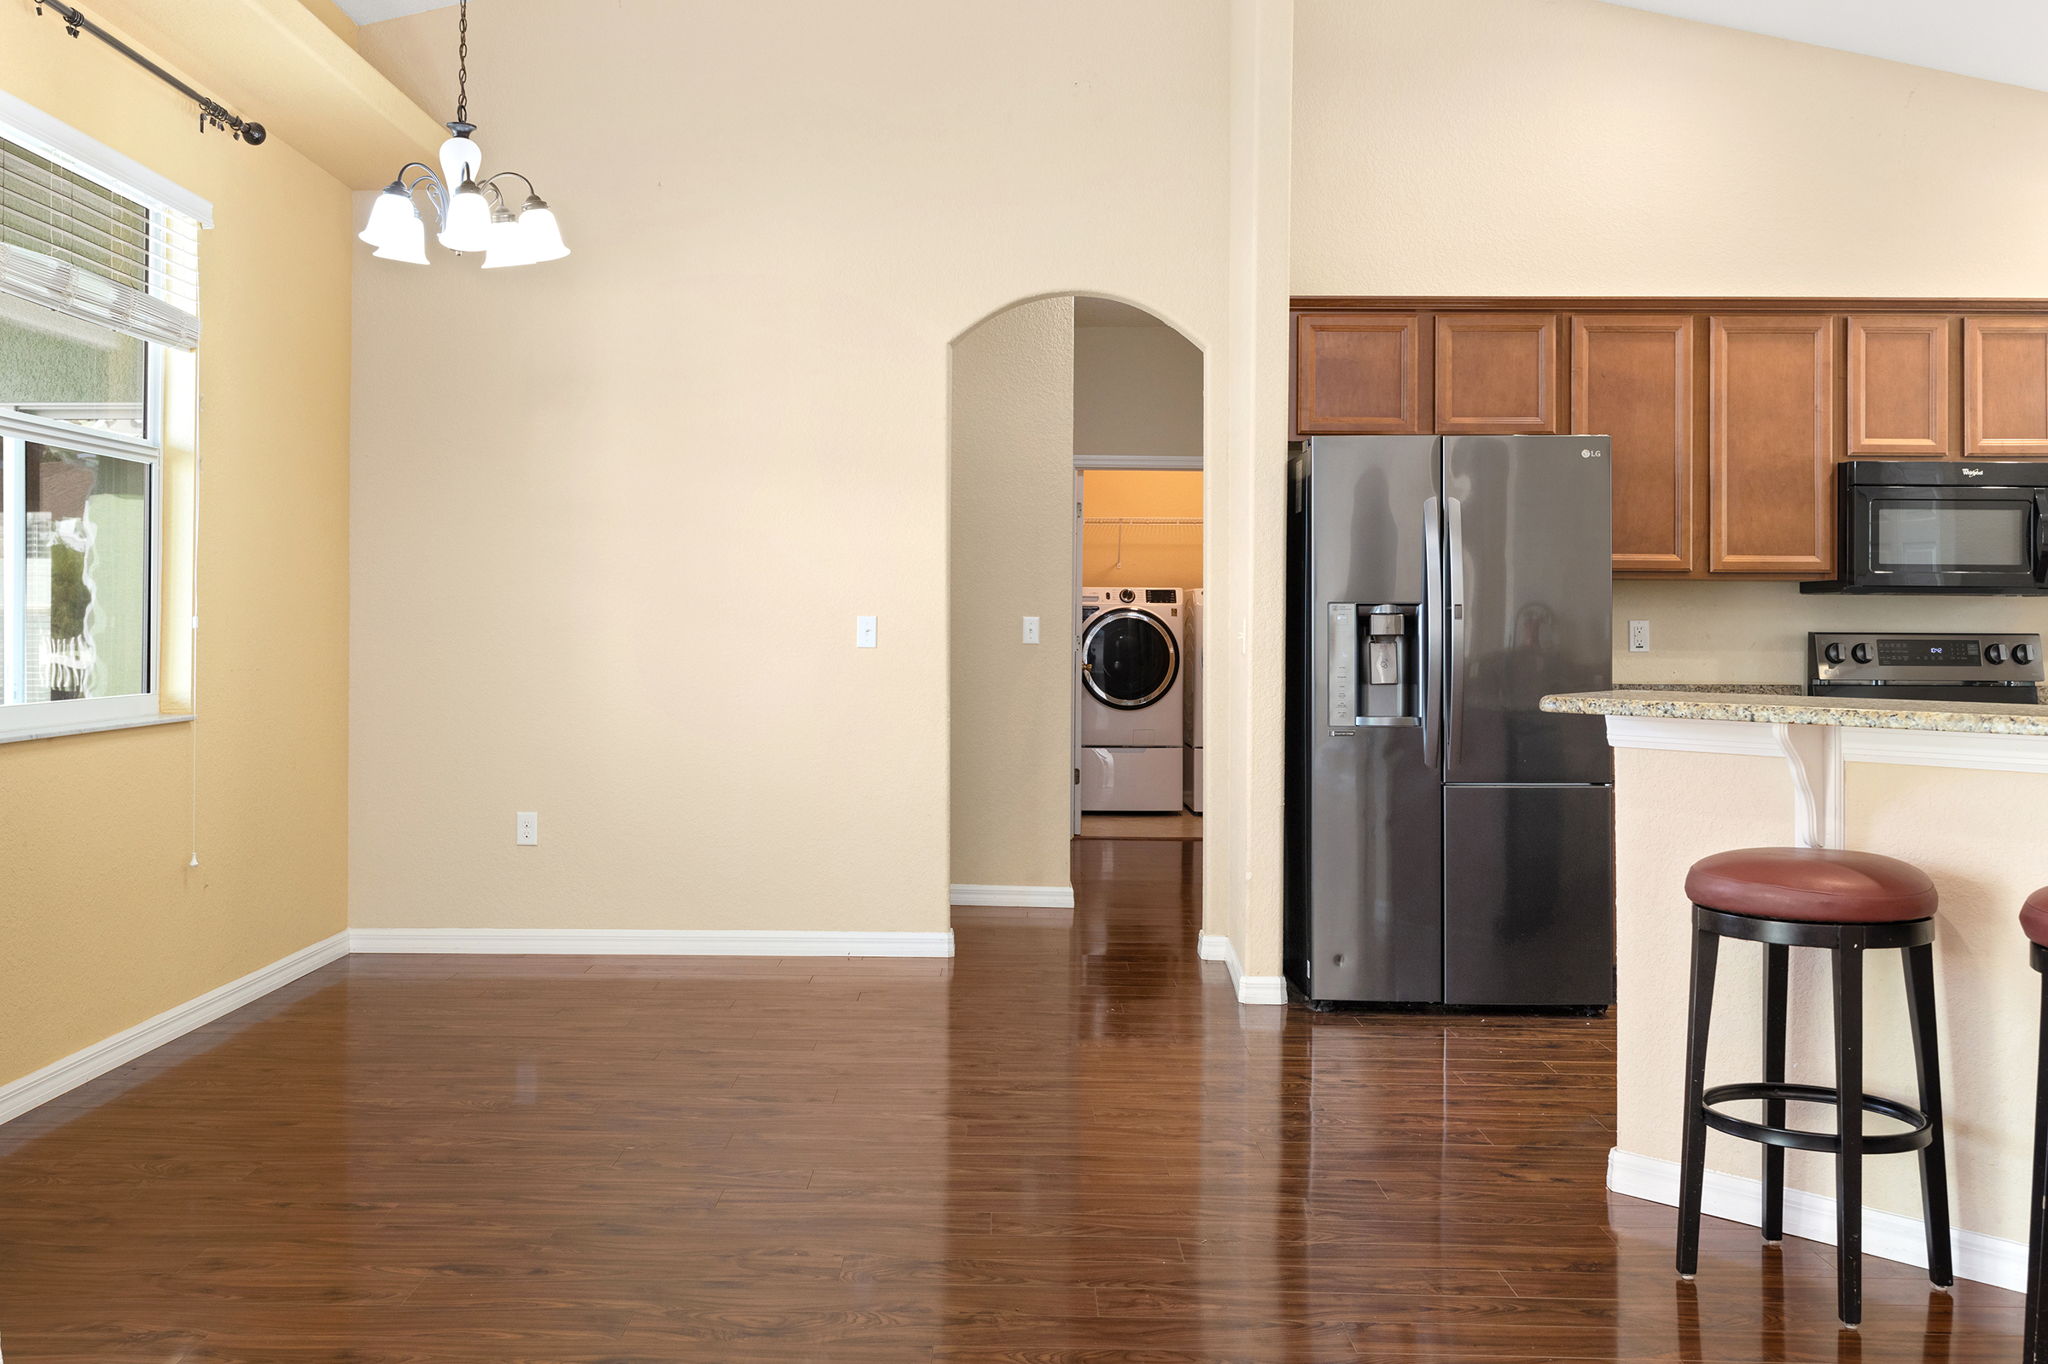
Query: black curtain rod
point(211, 111)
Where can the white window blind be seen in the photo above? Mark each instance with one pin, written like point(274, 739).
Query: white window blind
point(76, 245)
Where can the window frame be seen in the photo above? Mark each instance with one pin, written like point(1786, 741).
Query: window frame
point(18, 430)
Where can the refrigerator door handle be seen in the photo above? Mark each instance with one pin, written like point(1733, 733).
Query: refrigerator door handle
point(1454, 676)
point(1432, 627)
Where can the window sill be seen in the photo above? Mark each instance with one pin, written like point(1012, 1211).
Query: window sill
point(92, 727)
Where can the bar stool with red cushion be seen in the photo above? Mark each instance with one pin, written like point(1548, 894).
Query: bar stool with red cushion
point(1844, 903)
point(2034, 919)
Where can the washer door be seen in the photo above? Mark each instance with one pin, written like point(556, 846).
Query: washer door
point(1128, 658)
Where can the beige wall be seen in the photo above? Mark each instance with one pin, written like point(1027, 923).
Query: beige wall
point(1013, 556)
point(104, 923)
point(1141, 555)
point(1137, 391)
point(1976, 833)
point(1756, 632)
point(614, 516)
point(1574, 147)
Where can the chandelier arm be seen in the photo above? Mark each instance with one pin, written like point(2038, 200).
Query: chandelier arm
point(531, 192)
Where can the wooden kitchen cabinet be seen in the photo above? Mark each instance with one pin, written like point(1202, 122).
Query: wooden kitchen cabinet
point(1496, 374)
point(1898, 401)
point(1771, 439)
point(1358, 374)
point(2005, 386)
point(1632, 380)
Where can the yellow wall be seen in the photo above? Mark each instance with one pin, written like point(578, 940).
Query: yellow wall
point(1574, 147)
point(1013, 556)
point(103, 923)
point(1144, 556)
point(1756, 632)
point(592, 497)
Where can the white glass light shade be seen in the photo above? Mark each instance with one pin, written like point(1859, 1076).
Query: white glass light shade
point(460, 159)
point(469, 220)
point(388, 216)
point(408, 242)
point(542, 233)
point(507, 243)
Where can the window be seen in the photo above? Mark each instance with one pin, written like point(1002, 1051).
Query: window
point(97, 284)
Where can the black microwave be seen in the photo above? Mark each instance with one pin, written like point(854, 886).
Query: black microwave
point(1941, 526)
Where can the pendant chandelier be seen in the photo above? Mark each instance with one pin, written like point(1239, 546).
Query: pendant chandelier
point(474, 214)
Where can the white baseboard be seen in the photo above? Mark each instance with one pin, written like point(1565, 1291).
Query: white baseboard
point(653, 942)
point(60, 1077)
point(1250, 989)
point(1015, 897)
point(1887, 1235)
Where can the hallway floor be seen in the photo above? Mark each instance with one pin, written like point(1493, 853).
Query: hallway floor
point(1069, 1145)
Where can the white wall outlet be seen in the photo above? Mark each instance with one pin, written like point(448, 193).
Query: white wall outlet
point(1639, 636)
point(526, 828)
point(1031, 629)
point(863, 632)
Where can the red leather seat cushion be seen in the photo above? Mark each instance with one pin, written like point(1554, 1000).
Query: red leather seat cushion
point(1812, 885)
point(2034, 918)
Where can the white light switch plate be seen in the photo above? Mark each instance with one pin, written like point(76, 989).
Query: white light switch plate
point(1639, 636)
point(863, 632)
point(526, 828)
point(1031, 629)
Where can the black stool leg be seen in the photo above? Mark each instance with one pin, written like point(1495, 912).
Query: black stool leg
point(1777, 992)
point(1706, 951)
point(1934, 1159)
point(1848, 964)
point(2036, 1351)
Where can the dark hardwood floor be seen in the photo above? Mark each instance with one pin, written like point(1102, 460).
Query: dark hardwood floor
point(1067, 1146)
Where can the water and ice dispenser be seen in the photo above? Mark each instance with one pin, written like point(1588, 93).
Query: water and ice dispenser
point(1374, 664)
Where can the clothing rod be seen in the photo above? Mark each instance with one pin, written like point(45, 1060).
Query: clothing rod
point(1142, 520)
point(210, 110)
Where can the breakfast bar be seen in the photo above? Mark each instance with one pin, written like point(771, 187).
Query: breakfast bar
point(1953, 787)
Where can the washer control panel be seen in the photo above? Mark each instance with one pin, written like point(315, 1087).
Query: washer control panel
point(1924, 658)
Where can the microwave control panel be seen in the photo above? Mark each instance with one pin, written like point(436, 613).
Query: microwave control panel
point(1922, 658)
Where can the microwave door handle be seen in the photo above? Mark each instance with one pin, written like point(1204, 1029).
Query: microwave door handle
point(2041, 538)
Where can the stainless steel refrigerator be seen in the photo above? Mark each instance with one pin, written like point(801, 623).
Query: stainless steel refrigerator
point(1448, 842)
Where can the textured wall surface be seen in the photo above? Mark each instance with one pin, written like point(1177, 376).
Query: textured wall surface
point(104, 922)
point(614, 516)
point(1573, 147)
point(1137, 391)
point(1013, 556)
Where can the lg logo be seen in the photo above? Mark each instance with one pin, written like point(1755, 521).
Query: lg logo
point(1589, 454)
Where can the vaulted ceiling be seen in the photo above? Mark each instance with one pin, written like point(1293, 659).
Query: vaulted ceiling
point(1998, 40)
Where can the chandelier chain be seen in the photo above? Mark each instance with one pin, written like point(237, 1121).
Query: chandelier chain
point(462, 66)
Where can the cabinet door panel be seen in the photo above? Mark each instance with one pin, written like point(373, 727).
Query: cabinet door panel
point(1898, 386)
point(2005, 386)
point(1358, 374)
point(1632, 381)
point(1771, 436)
point(1496, 374)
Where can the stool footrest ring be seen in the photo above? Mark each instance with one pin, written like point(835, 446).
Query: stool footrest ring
point(1918, 1136)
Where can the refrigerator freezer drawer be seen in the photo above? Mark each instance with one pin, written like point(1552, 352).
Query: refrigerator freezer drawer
point(1529, 895)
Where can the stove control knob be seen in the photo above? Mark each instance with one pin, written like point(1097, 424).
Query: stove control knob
point(1995, 653)
point(1861, 653)
point(2023, 653)
point(1833, 653)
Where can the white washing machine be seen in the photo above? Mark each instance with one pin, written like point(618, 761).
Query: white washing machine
point(1191, 791)
point(1133, 722)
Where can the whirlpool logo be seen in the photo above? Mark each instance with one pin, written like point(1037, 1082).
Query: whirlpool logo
point(1973, 473)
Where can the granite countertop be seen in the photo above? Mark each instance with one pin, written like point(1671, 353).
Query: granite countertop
point(1726, 688)
point(1770, 707)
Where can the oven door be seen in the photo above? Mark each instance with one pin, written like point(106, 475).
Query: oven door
point(1931, 539)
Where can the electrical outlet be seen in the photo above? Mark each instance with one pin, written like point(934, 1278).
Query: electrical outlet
point(1031, 629)
point(1639, 636)
point(526, 828)
point(863, 632)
